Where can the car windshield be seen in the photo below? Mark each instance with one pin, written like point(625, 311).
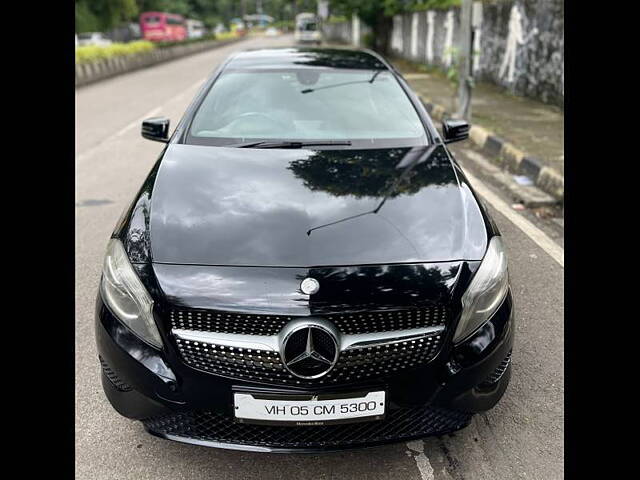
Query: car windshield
point(367, 107)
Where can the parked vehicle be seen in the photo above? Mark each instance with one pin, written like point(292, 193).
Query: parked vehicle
point(195, 28)
point(307, 29)
point(272, 32)
point(306, 266)
point(93, 38)
point(162, 27)
point(125, 33)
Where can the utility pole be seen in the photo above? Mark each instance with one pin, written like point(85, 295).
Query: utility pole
point(465, 73)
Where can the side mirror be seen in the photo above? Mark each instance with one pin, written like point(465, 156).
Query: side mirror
point(156, 129)
point(455, 130)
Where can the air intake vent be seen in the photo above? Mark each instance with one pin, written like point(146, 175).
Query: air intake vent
point(113, 377)
point(497, 374)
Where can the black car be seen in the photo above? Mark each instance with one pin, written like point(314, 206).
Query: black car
point(306, 266)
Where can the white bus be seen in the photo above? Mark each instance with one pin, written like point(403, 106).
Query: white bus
point(307, 29)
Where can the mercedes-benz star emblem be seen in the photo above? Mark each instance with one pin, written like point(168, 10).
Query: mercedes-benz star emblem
point(309, 286)
point(310, 351)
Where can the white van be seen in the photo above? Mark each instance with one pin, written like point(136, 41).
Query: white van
point(307, 29)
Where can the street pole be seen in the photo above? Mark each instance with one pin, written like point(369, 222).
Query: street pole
point(465, 78)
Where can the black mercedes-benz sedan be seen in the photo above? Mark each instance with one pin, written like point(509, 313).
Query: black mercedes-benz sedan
point(306, 267)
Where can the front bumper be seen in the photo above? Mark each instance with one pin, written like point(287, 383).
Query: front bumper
point(180, 403)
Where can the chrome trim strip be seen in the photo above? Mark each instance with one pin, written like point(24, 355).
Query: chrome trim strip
point(376, 339)
point(253, 342)
point(272, 343)
point(256, 448)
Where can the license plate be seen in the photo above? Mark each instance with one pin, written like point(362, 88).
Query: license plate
point(312, 410)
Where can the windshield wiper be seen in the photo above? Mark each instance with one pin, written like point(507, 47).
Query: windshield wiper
point(288, 144)
point(371, 80)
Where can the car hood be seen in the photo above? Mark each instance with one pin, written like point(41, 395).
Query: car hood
point(300, 208)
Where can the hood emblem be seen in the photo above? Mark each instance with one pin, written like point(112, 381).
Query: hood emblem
point(310, 351)
point(309, 286)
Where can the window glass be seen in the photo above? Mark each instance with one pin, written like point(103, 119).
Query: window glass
point(304, 104)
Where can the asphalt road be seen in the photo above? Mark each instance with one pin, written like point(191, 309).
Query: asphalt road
point(520, 438)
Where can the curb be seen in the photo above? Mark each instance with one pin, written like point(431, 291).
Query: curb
point(88, 73)
point(507, 156)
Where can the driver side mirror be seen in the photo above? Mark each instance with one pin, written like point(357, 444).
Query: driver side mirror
point(455, 130)
point(156, 129)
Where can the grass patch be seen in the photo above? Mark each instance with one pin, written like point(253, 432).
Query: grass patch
point(93, 53)
point(226, 35)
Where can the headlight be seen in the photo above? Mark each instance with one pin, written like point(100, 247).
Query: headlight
point(125, 295)
point(485, 292)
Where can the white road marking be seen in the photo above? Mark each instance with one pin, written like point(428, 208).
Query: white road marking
point(135, 123)
point(540, 238)
point(424, 466)
point(130, 126)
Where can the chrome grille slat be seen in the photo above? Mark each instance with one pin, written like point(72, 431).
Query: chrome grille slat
point(272, 342)
point(347, 323)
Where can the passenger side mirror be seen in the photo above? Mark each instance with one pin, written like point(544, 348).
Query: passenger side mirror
point(156, 129)
point(455, 130)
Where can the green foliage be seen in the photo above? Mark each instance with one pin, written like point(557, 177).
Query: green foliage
point(337, 19)
point(181, 7)
point(435, 4)
point(369, 10)
point(452, 70)
point(86, 20)
point(284, 24)
point(93, 53)
point(368, 40)
point(226, 35)
point(102, 15)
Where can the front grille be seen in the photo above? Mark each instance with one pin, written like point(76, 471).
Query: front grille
point(353, 365)
point(117, 382)
point(386, 321)
point(399, 424)
point(227, 322)
point(348, 323)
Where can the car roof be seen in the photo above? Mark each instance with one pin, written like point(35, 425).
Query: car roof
point(301, 57)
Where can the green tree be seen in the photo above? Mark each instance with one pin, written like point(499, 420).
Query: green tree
point(86, 20)
point(181, 7)
point(102, 15)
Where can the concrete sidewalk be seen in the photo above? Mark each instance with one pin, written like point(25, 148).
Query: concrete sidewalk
point(525, 136)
